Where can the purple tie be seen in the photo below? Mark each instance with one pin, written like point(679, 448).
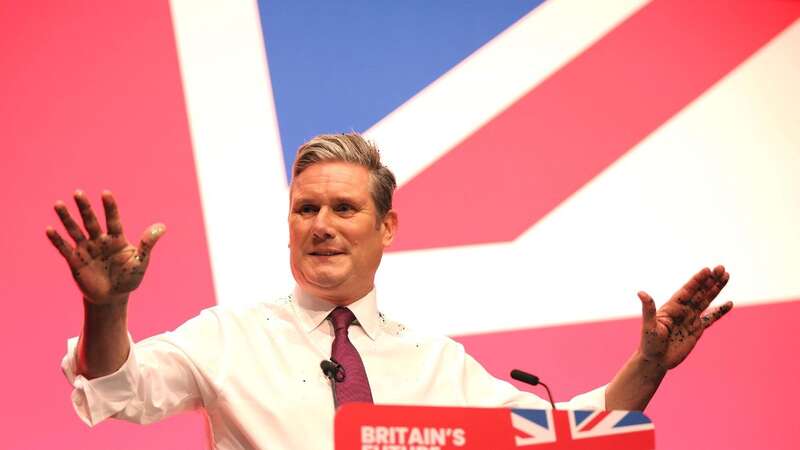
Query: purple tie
point(355, 385)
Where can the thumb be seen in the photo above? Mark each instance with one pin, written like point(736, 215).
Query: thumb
point(648, 310)
point(149, 238)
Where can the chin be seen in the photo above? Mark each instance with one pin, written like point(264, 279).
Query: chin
point(324, 281)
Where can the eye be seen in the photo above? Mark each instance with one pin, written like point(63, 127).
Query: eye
point(306, 209)
point(344, 208)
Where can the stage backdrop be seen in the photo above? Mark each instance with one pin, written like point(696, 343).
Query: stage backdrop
point(553, 159)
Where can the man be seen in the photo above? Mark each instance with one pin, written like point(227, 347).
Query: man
point(256, 369)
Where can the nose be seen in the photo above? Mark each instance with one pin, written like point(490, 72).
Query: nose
point(322, 228)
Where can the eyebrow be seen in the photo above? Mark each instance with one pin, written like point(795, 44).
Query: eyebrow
point(337, 199)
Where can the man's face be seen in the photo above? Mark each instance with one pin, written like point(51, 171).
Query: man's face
point(335, 237)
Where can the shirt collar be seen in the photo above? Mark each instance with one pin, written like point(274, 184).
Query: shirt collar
point(312, 311)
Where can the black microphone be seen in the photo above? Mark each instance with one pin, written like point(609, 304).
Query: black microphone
point(334, 372)
point(533, 380)
point(332, 369)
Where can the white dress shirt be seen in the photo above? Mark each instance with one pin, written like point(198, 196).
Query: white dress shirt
point(256, 371)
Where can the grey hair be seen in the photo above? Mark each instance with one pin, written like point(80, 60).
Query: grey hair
point(350, 148)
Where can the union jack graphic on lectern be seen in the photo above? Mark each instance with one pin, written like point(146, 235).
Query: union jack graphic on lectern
point(585, 430)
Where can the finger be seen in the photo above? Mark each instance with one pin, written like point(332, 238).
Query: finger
point(113, 223)
point(711, 317)
point(686, 294)
point(706, 284)
point(648, 311)
point(72, 227)
point(87, 214)
point(149, 239)
point(59, 244)
point(721, 276)
point(720, 279)
point(704, 298)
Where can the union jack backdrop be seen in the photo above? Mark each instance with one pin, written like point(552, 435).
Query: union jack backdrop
point(553, 159)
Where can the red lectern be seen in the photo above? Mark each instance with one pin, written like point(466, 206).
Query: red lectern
point(361, 426)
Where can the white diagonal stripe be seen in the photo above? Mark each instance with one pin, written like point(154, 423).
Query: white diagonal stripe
point(716, 184)
point(491, 79)
point(236, 145)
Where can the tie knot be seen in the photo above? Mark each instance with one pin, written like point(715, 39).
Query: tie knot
point(341, 318)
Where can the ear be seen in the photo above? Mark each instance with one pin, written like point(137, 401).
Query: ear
point(389, 227)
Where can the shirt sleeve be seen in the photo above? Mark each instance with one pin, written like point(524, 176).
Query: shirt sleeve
point(163, 375)
point(483, 389)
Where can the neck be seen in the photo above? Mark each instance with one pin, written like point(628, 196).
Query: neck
point(336, 298)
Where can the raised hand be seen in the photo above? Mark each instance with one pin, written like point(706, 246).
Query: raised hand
point(670, 333)
point(104, 264)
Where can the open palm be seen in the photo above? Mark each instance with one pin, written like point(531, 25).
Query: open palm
point(670, 333)
point(106, 266)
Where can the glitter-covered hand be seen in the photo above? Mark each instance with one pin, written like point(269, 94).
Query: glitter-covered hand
point(105, 265)
point(670, 333)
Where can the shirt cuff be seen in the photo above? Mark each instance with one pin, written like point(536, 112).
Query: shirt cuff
point(100, 398)
point(592, 400)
